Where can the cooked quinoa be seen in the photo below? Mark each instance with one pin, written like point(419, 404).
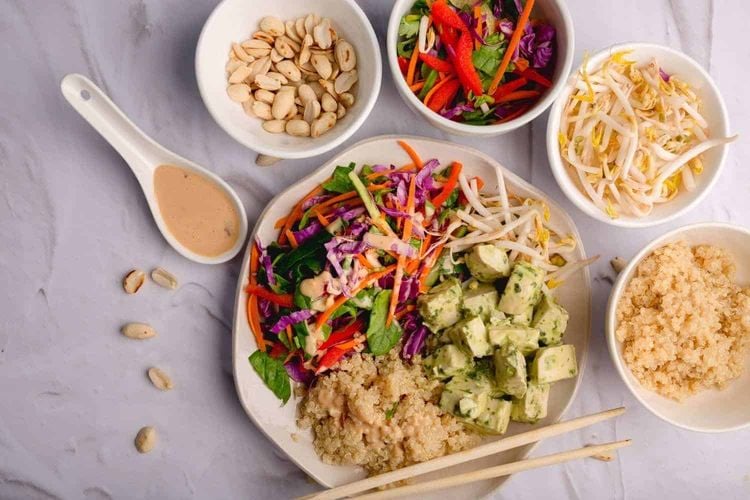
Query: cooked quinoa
point(683, 322)
point(380, 413)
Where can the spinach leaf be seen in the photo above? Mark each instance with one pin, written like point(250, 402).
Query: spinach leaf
point(301, 300)
point(340, 182)
point(306, 260)
point(382, 339)
point(272, 373)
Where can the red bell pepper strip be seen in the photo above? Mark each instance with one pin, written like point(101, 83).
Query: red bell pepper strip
point(535, 76)
point(436, 63)
point(444, 15)
point(509, 87)
point(278, 350)
point(449, 185)
point(515, 114)
point(286, 300)
point(449, 36)
point(345, 333)
point(518, 95)
point(465, 70)
point(335, 353)
point(444, 95)
point(403, 65)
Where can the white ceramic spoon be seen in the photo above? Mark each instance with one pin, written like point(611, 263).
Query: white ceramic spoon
point(143, 155)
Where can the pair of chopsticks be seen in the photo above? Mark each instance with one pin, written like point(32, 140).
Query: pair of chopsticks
point(473, 454)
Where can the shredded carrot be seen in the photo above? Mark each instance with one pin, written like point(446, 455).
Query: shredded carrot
point(425, 245)
point(363, 260)
point(253, 318)
point(412, 66)
point(480, 183)
point(291, 238)
point(449, 185)
point(321, 218)
point(289, 334)
point(412, 266)
point(405, 311)
point(254, 263)
point(515, 39)
point(478, 29)
point(297, 212)
point(521, 64)
point(401, 263)
point(280, 223)
point(370, 279)
point(417, 86)
point(412, 154)
point(518, 95)
point(436, 87)
point(404, 168)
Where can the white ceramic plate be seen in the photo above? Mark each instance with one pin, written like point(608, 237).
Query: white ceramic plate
point(711, 410)
point(278, 422)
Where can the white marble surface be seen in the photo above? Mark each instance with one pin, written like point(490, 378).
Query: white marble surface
point(72, 221)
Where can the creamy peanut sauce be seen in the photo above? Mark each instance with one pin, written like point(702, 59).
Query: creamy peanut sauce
point(197, 211)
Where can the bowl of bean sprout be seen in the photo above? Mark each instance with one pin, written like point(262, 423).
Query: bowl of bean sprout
point(638, 136)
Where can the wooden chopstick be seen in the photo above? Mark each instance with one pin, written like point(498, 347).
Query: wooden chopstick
point(497, 471)
point(464, 456)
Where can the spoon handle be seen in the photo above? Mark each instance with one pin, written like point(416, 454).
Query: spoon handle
point(135, 147)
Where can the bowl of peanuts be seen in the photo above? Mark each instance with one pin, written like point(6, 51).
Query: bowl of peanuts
point(289, 79)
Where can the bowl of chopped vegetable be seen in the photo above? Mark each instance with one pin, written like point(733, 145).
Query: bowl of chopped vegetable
point(655, 144)
point(480, 68)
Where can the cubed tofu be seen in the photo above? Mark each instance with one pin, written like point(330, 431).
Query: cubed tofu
point(532, 407)
point(551, 320)
point(466, 396)
point(487, 263)
point(441, 306)
point(510, 371)
point(496, 318)
point(554, 363)
point(448, 361)
point(480, 299)
point(523, 319)
point(522, 290)
point(471, 335)
point(495, 418)
point(524, 339)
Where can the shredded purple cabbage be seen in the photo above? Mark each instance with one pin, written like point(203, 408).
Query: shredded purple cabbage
point(265, 307)
point(401, 192)
point(536, 44)
point(394, 213)
point(415, 333)
point(519, 6)
point(265, 260)
point(291, 319)
point(664, 75)
point(349, 214)
point(471, 23)
point(356, 230)
point(497, 9)
point(424, 176)
point(296, 370)
point(455, 111)
point(382, 168)
point(311, 230)
point(314, 201)
point(506, 27)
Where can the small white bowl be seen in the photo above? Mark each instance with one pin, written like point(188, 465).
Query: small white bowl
point(235, 21)
point(711, 410)
point(714, 111)
point(553, 11)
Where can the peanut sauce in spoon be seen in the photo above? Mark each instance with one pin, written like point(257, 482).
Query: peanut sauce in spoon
point(198, 212)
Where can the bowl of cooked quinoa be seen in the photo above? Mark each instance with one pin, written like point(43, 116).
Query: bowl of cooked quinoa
point(678, 327)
